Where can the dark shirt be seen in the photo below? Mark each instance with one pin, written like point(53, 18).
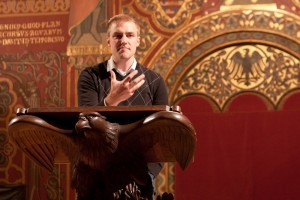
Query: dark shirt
point(94, 86)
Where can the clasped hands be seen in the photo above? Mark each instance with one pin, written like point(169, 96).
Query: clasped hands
point(122, 90)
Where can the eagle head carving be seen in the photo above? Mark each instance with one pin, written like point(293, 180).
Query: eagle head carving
point(97, 133)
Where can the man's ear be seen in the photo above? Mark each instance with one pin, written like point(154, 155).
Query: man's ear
point(138, 41)
point(108, 41)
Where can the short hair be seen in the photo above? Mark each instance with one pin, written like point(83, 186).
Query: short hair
point(122, 18)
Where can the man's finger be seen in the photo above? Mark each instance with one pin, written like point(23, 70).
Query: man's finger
point(112, 75)
point(127, 80)
point(138, 85)
point(138, 79)
point(132, 74)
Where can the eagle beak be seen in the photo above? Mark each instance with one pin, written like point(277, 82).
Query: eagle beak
point(82, 125)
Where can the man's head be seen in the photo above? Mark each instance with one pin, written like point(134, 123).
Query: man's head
point(121, 18)
point(123, 37)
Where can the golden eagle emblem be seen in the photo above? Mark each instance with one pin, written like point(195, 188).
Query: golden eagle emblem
point(247, 67)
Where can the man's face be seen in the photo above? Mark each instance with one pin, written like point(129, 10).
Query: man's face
point(123, 40)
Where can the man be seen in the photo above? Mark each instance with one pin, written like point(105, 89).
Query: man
point(121, 80)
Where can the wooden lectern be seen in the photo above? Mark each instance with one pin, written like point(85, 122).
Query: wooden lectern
point(114, 142)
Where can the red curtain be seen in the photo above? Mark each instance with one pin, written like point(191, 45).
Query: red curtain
point(242, 155)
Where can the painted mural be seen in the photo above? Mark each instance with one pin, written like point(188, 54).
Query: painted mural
point(212, 49)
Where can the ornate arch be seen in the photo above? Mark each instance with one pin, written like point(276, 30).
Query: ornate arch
point(206, 57)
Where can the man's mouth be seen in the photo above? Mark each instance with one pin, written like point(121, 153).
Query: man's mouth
point(123, 48)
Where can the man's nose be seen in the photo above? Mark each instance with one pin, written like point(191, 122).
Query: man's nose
point(124, 39)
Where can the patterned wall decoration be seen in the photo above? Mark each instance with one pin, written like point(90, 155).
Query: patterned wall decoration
point(31, 80)
point(296, 2)
point(35, 6)
point(169, 15)
point(226, 22)
point(7, 100)
point(160, 20)
point(292, 6)
point(254, 68)
point(33, 73)
point(37, 77)
point(218, 31)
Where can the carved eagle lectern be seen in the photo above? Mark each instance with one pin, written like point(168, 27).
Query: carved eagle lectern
point(108, 148)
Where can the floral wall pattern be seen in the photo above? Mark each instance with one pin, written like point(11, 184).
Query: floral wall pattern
point(216, 49)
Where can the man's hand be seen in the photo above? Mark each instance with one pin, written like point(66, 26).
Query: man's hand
point(122, 90)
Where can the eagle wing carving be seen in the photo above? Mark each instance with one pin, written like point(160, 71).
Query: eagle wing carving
point(97, 147)
point(161, 137)
point(39, 140)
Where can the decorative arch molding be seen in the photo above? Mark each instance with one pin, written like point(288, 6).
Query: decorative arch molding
point(242, 67)
point(290, 101)
point(248, 102)
point(210, 43)
point(277, 22)
point(203, 102)
point(167, 17)
point(251, 101)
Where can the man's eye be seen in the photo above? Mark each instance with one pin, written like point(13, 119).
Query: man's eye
point(117, 36)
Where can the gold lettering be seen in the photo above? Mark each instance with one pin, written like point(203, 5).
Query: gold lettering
point(31, 33)
point(10, 26)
